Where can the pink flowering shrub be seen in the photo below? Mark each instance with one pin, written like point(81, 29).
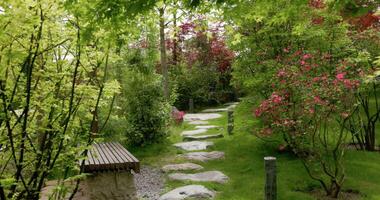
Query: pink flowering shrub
point(177, 116)
point(310, 104)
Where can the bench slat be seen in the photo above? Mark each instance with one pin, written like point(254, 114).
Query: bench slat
point(110, 156)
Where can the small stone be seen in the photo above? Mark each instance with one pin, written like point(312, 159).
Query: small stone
point(203, 156)
point(201, 116)
point(201, 137)
point(193, 132)
point(198, 122)
point(181, 167)
point(210, 176)
point(189, 191)
point(206, 127)
point(194, 145)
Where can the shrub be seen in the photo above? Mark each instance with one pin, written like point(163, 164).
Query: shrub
point(145, 109)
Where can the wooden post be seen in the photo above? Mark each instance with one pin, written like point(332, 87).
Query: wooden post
point(191, 105)
point(230, 123)
point(271, 182)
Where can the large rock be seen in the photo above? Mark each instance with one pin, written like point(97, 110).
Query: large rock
point(203, 156)
point(198, 122)
point(202, 137)
point(201, 116)
point(193, 132)
point(181, 167)
point(210, 176)
point(206, 127)
point(194, 145)
point(189, 191)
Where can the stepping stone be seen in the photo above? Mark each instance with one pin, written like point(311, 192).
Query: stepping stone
point(202, 137)
point(215, 110)
point(193, 132)
point(210, 176)
point(201, 116)
point(206, 127)
point(193, 146)
point(203, 156)
point(198, 122)
point(181, 167)
point(231, 103)
point(189, 191)
point(231, 107)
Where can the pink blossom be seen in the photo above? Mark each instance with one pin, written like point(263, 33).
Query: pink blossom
point(276, 98)
point(306, 56)
point(340, 76)
point(318, 100)
point(281, 73)
point(303, 62)
point(308, 68)
point(258, 112)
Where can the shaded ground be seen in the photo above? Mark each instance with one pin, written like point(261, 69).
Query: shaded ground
point(149, 183)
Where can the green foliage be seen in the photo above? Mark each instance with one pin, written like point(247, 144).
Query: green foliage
point(203, 84)
point(141, 113)
point(146, 110)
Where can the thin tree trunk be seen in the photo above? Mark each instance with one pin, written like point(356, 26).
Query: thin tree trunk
point(164, 67)
point(175, 39)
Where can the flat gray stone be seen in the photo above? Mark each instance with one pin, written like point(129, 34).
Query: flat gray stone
point(201, 116)
point(189, 191)
point(202, 137)
point(193, 145)
point(215, 110)
point(198, 122)
point(193, 132)
point(231, 103)
point(206, 127)
point(203, 156)
point(181, 167)
point(209, 176)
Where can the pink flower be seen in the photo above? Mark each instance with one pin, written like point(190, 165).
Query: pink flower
point(306, 56)
point(258, 112)
point(276, 98)
point(281, 73)
point(308, 68)
point(318, 100)
point(340, 76)
point(303, 62)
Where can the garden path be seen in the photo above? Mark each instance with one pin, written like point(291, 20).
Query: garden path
point(196, 140)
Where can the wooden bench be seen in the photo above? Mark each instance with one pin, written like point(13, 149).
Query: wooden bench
point(110, 156)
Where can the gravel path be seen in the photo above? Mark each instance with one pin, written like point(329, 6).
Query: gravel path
point(149, 183)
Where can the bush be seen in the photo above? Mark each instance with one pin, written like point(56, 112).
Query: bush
point(205, 85)
point(145, 108)
point(140, 113)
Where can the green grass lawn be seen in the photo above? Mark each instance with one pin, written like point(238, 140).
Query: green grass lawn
point(244, 163)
